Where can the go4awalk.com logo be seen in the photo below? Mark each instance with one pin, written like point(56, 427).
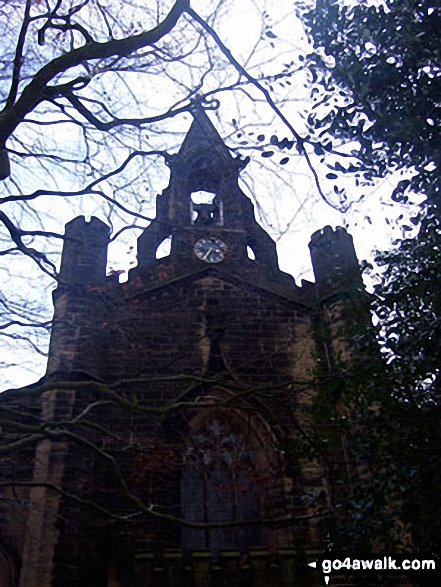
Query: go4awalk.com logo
point(381, 564)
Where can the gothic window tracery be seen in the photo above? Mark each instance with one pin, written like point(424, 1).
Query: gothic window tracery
point(219, 483)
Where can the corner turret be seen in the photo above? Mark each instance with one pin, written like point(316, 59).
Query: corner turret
point(341, 294)
point(334, 260)
point(84, 255)
point(83, 268)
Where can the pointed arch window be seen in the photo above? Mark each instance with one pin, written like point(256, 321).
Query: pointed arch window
point(206, 209)
point(164, 248)
point(219, 483)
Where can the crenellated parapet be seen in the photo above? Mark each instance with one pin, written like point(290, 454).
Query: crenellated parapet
point(84, 256)
point(344, 308)
point(76, 300)
point(334, 260)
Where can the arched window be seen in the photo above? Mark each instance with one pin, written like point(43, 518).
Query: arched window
point(164, 248)
point(219, 483)
point(251, 254)
point(206, 209)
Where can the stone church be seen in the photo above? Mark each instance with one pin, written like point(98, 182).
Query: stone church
point(180, 435)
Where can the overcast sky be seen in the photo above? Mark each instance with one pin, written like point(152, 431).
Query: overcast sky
point(287, 201)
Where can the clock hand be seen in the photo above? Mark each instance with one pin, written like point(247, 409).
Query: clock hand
point(207, 254)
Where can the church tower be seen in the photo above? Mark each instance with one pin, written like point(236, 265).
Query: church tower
point(204, 210)
point(183, 443)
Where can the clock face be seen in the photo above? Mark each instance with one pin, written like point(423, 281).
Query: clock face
point(210, 249)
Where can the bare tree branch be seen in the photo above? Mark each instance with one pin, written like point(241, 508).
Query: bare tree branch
point(35, 91)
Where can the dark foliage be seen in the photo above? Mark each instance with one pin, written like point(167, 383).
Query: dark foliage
point(377, 76)
point(377, 72)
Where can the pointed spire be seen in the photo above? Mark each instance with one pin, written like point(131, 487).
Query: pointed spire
point(204, 155)
point(203, 132)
